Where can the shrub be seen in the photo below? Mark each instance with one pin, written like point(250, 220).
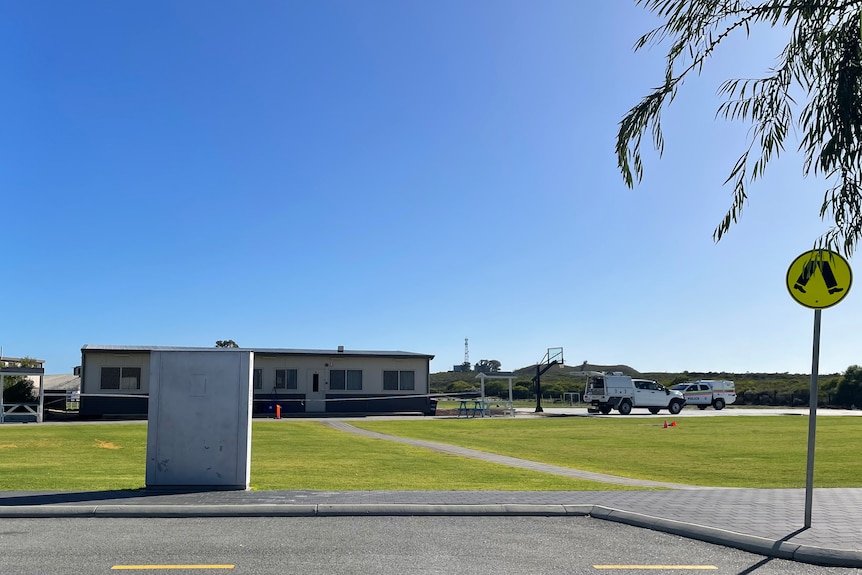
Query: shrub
point(18, 389)
point(459, 386)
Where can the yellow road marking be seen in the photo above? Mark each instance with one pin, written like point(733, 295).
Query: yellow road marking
point(135, 567)
point(681, 567)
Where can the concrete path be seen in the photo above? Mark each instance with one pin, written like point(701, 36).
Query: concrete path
point(510, 461)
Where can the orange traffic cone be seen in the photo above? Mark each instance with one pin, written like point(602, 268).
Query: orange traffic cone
point(665, 423)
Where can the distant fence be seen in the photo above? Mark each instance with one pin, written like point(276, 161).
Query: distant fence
point(65, 401)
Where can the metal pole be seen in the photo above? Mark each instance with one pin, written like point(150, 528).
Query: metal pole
point(812, 419)
point(539, 389)
point(41, 413)
point(483, 394)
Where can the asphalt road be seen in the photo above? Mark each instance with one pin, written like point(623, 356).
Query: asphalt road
point(363, 545)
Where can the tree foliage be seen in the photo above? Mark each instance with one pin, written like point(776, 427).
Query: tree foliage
point(460, 386)
point(488, 366)
point(849, 390)
point(19, 388)
point(813, 91)
point(226, 343)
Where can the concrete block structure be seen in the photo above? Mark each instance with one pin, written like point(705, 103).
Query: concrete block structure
point(199, 431)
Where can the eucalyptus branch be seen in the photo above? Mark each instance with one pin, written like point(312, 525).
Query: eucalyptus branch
point(823, 57)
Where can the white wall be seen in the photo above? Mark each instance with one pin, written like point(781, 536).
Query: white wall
point(372, 372)
point(95, 361)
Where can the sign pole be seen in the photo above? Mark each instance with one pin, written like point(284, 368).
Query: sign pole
point(832, 278)
point(812, 419)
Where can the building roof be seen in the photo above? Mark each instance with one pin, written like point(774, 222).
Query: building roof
point(17, 360)
point(260, 351)
point(61, 382)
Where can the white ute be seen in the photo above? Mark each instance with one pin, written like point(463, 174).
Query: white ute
point(607, 391)
point(706, 392)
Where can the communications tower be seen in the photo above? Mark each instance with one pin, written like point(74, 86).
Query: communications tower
point(466, 365)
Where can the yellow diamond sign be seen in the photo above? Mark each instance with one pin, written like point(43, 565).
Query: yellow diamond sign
point(819, 278)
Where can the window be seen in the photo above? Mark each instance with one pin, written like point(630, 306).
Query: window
point(395, 380)
point(390, 381)
point(350, 379)
point(257, 378)
point(121, 378)
point(406, 380)
point(285, 379)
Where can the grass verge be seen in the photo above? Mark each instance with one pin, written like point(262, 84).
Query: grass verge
point(293, 455)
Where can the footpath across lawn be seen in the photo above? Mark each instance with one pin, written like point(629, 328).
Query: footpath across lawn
point(710, 451)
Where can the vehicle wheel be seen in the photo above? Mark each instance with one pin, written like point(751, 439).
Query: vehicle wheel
point(605, 409)
point(674, 407)
point(653, 410)
point(718, 404)
point(701, 407)
point(625, 407)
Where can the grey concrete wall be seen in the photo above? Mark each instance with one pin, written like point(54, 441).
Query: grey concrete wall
point(199, 431)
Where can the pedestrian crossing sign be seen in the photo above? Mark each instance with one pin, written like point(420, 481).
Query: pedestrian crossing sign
point(819, 278)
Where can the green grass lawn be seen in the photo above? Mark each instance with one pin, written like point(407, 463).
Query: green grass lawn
point(64, 457)
point(285, 455)
point(718, 451)
point(310, 455)
point(715, 451)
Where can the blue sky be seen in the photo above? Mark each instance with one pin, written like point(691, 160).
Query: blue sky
point(387, 175)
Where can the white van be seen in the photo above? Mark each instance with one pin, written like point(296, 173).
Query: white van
point(706, 392)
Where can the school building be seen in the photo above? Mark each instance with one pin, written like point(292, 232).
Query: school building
point(115, 381)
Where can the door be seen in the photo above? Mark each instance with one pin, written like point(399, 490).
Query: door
point(649, 394)
point(315, 393)
point(643, 395)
